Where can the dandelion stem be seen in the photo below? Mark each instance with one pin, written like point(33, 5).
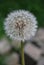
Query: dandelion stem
point(22, 53)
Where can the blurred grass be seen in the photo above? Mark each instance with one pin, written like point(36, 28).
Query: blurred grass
point(1, 60)
point(34, 6)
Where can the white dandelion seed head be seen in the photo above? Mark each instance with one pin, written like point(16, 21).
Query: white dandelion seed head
point(20, 25)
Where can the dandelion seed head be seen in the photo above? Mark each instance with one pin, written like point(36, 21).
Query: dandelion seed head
point(20, 25)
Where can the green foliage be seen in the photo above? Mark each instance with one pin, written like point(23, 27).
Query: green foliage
point(1, 60)
point(1, 26)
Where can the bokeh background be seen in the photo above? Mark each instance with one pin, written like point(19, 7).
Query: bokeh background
point(34, 6)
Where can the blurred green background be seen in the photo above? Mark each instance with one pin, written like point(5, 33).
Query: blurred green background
point(34, 6)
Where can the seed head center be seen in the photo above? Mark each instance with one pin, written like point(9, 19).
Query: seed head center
point(20, 24)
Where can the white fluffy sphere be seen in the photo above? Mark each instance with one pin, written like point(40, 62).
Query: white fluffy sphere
point(20, 25)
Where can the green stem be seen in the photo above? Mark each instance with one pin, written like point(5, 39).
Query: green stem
point(22, 53)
